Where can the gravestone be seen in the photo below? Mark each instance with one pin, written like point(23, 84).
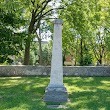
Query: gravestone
point(56, 92)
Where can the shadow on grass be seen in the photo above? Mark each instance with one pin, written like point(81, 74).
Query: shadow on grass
point(90, 93)
point(22, 93)
point(26, 93)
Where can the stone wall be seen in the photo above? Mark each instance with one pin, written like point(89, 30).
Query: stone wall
point(44, 71)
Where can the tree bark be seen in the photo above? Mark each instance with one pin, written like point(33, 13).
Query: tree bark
point(40, 51)
point(76, 52)
point(81, 52)
point(27, 52)
point(100, 56)
point(28, 40)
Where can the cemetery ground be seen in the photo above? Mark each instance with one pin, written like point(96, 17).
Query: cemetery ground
point(26, 93)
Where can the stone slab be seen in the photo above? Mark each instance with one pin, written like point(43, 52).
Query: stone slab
point(56, 106)
point(56, 94)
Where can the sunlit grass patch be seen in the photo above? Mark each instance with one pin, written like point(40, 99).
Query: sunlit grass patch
point(26, 93)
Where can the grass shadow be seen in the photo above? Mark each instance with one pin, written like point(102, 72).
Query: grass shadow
point(89, 93)
point(26, 93)
point(22, 93)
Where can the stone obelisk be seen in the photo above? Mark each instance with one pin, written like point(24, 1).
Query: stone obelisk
point(56, 92)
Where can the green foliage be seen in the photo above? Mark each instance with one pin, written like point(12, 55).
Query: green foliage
point(10, 41)
point(86, 23)
point(87, 60)
point(47, 53)
point(35, 54)
point(107, 41)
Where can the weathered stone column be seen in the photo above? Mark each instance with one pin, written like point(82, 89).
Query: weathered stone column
point(56, 92)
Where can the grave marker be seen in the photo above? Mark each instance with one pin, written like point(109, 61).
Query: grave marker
point(56, 92)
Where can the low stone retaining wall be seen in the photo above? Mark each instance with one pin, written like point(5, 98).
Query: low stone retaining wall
point(45, 71)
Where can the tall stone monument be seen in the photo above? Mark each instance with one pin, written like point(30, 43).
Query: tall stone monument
point(56, 92)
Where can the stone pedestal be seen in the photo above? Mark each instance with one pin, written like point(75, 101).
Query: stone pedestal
point(56, 92)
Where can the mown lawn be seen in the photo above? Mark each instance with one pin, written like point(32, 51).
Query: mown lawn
point(26, 93)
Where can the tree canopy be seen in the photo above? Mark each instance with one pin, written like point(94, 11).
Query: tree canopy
point(86, 29)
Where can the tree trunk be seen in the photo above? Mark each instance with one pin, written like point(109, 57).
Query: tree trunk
point(40, 51)
point(75, 62)
point(27, 52)
point(100, 60)
point(81, 52)
point(28, 40)
point(76, 52)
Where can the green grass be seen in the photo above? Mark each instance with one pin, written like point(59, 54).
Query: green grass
point(26, 93)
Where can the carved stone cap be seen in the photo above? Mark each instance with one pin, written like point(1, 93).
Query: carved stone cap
point(58, 21)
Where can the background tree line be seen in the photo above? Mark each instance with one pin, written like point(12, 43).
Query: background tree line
point(25, 23)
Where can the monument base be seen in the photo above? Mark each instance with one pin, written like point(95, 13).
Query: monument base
point(56, 94)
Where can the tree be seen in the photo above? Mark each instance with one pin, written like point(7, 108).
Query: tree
point(10, 41)
point(39, 9)
point(99, 21)
point(43, 32)
point(85, 21)
point(32, 11)
point(76, 16)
